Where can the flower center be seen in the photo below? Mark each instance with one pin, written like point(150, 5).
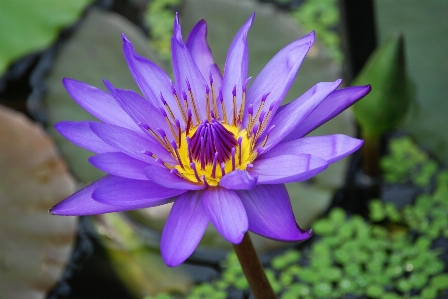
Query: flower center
point(211, 150)
point(207, 149)
point(211, 138)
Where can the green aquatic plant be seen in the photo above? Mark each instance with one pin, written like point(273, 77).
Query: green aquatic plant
point(322, 16)
point(350, 256)
point(406, 162)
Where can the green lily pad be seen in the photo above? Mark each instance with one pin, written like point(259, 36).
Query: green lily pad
point(136, 262)
point(94, 52)
point(31, 26)
point(34, 245)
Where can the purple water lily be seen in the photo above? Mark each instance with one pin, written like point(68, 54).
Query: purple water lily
point(217, 147)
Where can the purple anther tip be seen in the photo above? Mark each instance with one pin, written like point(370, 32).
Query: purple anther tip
point(177, 123)
point(245, 83)
point(207, 89)
point(250, 109)
point(158, 160)
point(146, 152)
point(234, 91)
point(220, 98)
point(189, 112)
point(184, 95)
point(173, 89)
point(173, 144)
point(265, 96)
point(188, 84)
point(255, 128)
point(272, 106)
point(174, 171)
point(163, 99)
point(210, 76)
point(192, 165)
point(240, 140)
point(143, 125)
point(161, 132)
point(212, 115)
point(163, 111)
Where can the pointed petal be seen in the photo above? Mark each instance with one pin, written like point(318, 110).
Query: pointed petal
point(226, 212)
point(165, 178)
point(278, 75)
point(150, 78)
point(119, 164)
point(98, 103)
point(287, 168)
point(270, 213)
point(81, 203)
point(239, 180)
point(335, 103)
point(184, 69)
point(184, 228)
point(130, 193)
point(235, 70)
point(290, 117)
point(200, 51)
point(331, 148)
point(140, 110)
point(79, 133)
point(131, 143)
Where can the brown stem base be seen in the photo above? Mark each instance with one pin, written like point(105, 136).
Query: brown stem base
point(253, 270)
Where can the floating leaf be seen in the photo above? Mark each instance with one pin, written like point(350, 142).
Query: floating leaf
point(136, 262)
point(30, 26)
point(34, 245)
point(94, 52)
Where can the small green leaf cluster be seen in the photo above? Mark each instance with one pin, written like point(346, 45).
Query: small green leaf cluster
point(407, 163)
point(350, 257)
point(159, 16)
point(323, 17)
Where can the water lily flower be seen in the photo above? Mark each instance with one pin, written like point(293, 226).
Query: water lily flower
point(218, 147)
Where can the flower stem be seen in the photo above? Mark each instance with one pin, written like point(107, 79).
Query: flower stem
point(371, 155)
point(253, 270)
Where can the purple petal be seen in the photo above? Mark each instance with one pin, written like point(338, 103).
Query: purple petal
point(287, 168)
point(278, 75)
point(184, 228)
point(331, 148)
point(82, 203)
point(235, 70)
point(335, 103)
point(131, 143)
point(226, 212)
point(140, 110)
point(127, 192)
point(165, 178)
point(119, 164)
point(290, 117)
point(98, 103)
point(79, 133)
point(270, 213)
point(150, 78)
point(201, 53)
point(184, 69)
point(238, 180)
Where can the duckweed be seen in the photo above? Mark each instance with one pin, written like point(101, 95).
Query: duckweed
point(391, 256)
